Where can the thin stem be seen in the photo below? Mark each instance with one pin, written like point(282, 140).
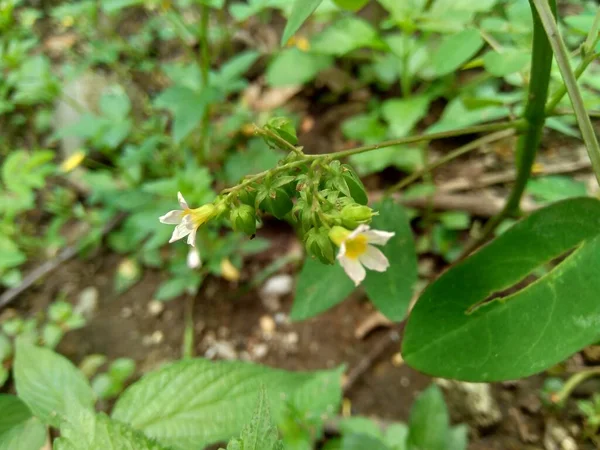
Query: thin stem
point(561, 91)
point(280, 140)
point(204, 68)
point(572, 383)
point(562, 59)
point(473, 145)
point(592, 37)
point(541, 65)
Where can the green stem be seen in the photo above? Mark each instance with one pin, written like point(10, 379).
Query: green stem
point(473, 145)
point(573, 382)
point(204, 68)
point(592, 37)
point(280, 140)
point(562, 59)
point(527, 146)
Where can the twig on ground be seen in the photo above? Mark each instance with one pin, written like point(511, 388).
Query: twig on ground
point(49, 266)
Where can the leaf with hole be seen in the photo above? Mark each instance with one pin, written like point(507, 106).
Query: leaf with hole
point(454, 331)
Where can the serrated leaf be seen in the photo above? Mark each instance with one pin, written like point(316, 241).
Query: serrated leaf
point(319, 288)
point(19, 430)
point(260, 433)
point(301, 10)
point(90, 431)
point(429, 422)
point(455, 51)
point(478, 341)
point(50, 384)
point(192, 403)
point(391, 291)
point(292, 67)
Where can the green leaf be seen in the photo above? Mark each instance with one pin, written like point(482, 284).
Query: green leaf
point(19, 430)
point(293, 66)
point(429, 422)
point(301, 10)
point(113, 6)
point(396, 435)
point(90, 431)
point(455, 51)
point(343, 36)
point(555, 188)
point(505, 63)
point(10, 255)
point(455, 220)
point(458, 438)
point(260, 433)
point(522, 333)
point(360, 425)
point(392, 290)
point(403, 114)
point(362, 442)
point(404, 158)
point(192, 403)
point(351, 5)
point(457, 115)
point(319, 288)
point(50, 384)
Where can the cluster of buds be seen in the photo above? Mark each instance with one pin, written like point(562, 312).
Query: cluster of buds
point(324, 199)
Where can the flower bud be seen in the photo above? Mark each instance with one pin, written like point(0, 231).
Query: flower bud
point(243, 219)
point(277, 202)
point(247, 196)
point(355, 215)
point(318, 245)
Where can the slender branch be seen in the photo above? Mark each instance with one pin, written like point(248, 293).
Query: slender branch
point(562, 59)
point(541, 64)
point(473, 145)
point(573, 382)
point(592, 37)
point(280, 140)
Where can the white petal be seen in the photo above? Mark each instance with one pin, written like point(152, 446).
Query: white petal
point(342, 251)
point(182, 201)
point(373, 259)
point(353, 269)
point(191, 240)
point(358, 230)
point(378, 237)
point(193, 258)
point(180, 231)
point(172, 217)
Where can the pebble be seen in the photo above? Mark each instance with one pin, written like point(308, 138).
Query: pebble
point(473, 401)
point(155, 308)
point(221, 349)
point(153, 339)
point(281, 318)
point(87, 303)
point(557, 437)
point(274, 288)
point(126, 312)
point(259, 351)
point(267, 325)
point(397, 359)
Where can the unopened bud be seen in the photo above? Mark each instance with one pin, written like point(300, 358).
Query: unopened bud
point(319, 246)
point(355, 215)
point(243, 219)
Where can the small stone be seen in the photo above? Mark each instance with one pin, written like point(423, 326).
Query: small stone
point(281, 318)
point(221, 349)
point(87, 303)
point(292, 338)
point(267, 325)
point(557, 437)
point(472, 401)
point(126, 312)
point(397, 359)
point(223, 332)
point(155, 308)
point(259, 351)
point(274, 288)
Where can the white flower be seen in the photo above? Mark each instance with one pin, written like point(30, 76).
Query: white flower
point(193, 259)
point(356, 250)
point(187, 220)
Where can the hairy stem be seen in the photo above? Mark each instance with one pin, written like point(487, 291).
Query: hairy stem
point(562, 59)
point(541, 64)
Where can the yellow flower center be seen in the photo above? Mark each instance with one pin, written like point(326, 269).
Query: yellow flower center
point(356, 247)
point(200, 215)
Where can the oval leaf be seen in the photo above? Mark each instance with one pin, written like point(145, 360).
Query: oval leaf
point(392, 290)
point(505, 63)
point(451, 333)
point(319, 288)
point(189, 404)
point(455, 51)
point(50, 384)
point(19, 430)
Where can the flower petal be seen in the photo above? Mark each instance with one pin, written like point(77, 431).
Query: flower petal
point(358, 230)
point(353, 269)
point(378, 237)
point(374, 259)
point(182, 201)
point(180, 231)
point(193, 258)
point(172, 217)
point(191, 240)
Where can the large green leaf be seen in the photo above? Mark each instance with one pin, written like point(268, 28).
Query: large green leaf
point(451, 334)
point(319, 288)
point(90, 431)
point(19, 430)
point(189, 404)
point(392, 290)
point(345, 35)
point(292, 66)
point(301, 10)
point(456, 50)
point(403, 114)
point(429, 423)
point(351, 5)
point(50, 384)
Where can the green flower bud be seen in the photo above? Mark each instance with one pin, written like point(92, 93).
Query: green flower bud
point(318, 245)
point(355, 215)
point(277, 202)
point(355, 185)
point(243, 219)
point(247, 196)
point(284, 128)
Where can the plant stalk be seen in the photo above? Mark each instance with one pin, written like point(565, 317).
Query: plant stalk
point(546, 19)
point(534, 116)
